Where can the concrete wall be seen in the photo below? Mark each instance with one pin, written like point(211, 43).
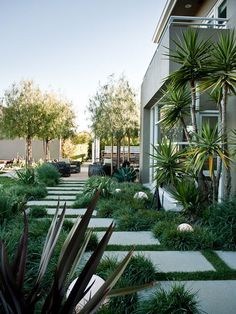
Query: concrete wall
point(10, 149)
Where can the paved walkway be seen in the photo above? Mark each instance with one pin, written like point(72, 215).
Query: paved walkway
point(215, 297)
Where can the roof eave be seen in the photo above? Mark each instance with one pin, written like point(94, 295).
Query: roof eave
point(163, 20)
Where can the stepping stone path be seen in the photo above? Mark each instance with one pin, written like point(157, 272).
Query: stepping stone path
point(216, 297)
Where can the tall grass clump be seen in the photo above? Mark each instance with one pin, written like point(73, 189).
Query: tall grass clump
point(177, 300)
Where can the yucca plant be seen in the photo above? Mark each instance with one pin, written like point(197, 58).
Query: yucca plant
point(12, 274)
point(168, 163)
point(27, 176)
point(221, 75)
point(125, 174)
point(192, 54)
point(205, 149)
point(176, 102)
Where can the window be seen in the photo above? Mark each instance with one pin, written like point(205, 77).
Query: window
point(219, 11)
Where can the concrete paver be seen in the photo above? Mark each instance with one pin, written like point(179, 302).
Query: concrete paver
point(67, 192)
point(215, 297)
point(228, 257)
point(62, 197)
point(49, 203)
point(171, 261)
point(131, 238)
point(70, 211)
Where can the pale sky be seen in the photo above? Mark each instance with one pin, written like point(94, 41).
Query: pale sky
point(68, 46)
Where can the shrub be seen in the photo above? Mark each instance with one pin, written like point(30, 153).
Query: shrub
point(48, 174)
point(222, 221)
point(125, 174)
point(93, 242)
point(140, 270)
point(175, 301)
point(160, 228)
point(9, 205)
point(29, 192)
point(109, 207)
point(38, 212)
point(106, 267)
point(104, 184)
point(136, 220)
point(200, 238)
point(26, 176)
point(188, 195)
point(82, 201)
point(128, 190)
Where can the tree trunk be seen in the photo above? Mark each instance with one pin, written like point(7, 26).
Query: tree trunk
point(128, 147)
point(112, 153)
point(227, 177)
point(47, 150)
point(185, 129)
point(28, 152)
point(123, 157)
point(193, 106)
point(118, 153)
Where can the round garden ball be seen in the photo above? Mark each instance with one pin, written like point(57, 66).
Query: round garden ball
point(185, 227)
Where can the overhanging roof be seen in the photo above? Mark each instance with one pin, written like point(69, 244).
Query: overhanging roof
point(178, 8)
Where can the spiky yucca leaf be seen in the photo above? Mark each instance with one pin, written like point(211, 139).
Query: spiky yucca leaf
point(206, 147)
point(167, 163)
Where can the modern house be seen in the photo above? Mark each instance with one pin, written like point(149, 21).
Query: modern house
point(210, 17)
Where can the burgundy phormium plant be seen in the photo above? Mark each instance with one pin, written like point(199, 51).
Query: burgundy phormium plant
point(12, 274)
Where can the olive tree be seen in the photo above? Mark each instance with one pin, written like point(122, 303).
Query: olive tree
point(23, 113)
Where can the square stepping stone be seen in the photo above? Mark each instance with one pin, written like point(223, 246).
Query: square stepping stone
point(61, 197)
point(49, 203)
point(131, 238)
point(58, 192)
point(70, 211)
point(97, 222)
point(228, 257)
point(58, 188)
point(171, 261)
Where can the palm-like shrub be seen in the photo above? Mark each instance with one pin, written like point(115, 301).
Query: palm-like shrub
point(12, 273)
point(168, 163)
point(204, 149)
point(192, 54)
point(175, 107)
point(125, 174)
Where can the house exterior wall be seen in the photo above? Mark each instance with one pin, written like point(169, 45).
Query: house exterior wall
point(160, 67)
point(10, 149)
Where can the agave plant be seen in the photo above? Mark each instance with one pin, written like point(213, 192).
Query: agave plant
point(104, 185)
point(27, 176)
point(12, 274)
point(125, 174)
point(188, 195)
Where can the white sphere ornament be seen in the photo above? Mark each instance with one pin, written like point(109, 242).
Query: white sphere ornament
point(140, 195)
point(185, 228)
point(97, 283)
